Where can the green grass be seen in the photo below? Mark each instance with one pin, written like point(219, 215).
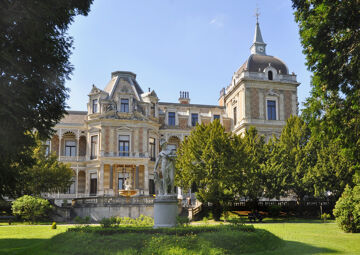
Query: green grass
point(269, 239)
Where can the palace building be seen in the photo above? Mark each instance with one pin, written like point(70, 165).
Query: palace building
point(118, 136)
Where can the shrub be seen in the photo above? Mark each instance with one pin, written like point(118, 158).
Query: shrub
point(182, 221)
point(82, 221)
point(31, 208)
point(347, 210)
point(142, 220)
point(205, 220)
point(274, 210)
point(325, 216)
point(53, 226)
point(105, 223)
point(237, 221)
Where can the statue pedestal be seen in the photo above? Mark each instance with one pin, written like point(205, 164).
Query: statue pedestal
point(165, 211)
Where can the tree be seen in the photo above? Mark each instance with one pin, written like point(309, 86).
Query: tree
point(347, 210)
point(253, 174)
point(332, 170)
point(203, 159)
point(330, 35)
point(34, 64)
point(46, 175)
point(31, 208)
point(295, 157)
point(275, 184)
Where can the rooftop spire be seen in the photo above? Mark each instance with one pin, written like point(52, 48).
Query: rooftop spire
point(258, 46)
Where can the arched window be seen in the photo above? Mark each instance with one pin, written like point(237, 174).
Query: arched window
point(270, 75)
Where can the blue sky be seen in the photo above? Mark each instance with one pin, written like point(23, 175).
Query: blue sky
point(179, 45)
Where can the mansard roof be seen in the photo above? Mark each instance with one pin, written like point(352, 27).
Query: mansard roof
point(257, 63)
point(115, 77)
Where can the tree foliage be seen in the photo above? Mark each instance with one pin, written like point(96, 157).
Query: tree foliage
point(31, 208)
point(34, 64)
point(330, 35)
point(203, 159)
point(47, 174)
point(253, 175)
point(295, 158)
point(347, 210)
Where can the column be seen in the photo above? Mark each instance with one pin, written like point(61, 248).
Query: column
point(261, 104)
point(87, 183)
point(281, 106)
point(77, 148)
point(60, 139)
point(146, 180)
point(137, 177)
point(77, 182)
point(101, 180)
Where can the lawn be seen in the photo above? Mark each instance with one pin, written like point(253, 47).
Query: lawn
point(270, 239)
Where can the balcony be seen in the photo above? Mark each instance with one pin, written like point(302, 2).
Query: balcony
point(72, 158)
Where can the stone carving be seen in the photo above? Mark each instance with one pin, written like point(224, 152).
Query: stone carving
point(165, 174)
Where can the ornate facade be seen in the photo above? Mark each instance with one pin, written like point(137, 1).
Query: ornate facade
point(118, 136)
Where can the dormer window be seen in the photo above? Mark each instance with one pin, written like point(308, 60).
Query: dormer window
point(124, 105)
point(94, 106)
point(270, 75)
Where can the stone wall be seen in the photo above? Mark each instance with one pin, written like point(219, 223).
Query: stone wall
point(96, 213)
point(254, 103)
point(227, 124)
point(183, 122)
point(288, 103)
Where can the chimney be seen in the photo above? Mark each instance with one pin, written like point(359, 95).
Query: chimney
point(184, 97)
point(222, 97)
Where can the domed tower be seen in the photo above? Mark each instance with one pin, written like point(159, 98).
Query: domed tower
point(262, 93)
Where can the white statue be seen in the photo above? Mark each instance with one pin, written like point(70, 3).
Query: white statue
point(127, 183)
point(164, 178)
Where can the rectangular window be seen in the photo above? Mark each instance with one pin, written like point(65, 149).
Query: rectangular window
point(71, 189)
point(152, 110)
point(152, 149)
point(271, 109)
point(94, 141)
point(151, 187)
point(171, 118)
point(235, 116)
point(124, 105)
point(70, 148)
point(47, 148)
point(216, 117)
point(124, 141)
point(94, 106)
point(194, 119)
point(120, 182)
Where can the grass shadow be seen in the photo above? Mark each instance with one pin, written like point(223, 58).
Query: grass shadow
point(20, 246)
point(222, 242)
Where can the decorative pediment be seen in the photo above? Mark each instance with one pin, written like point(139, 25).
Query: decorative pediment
point(94, 130)
point(95, 90)
point(271, 92)
point(234, 101)
point(124, 129)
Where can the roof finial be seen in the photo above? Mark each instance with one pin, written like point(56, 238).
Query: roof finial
point(257, 14)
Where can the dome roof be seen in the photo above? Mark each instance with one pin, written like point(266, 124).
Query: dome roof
point(257, 63)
